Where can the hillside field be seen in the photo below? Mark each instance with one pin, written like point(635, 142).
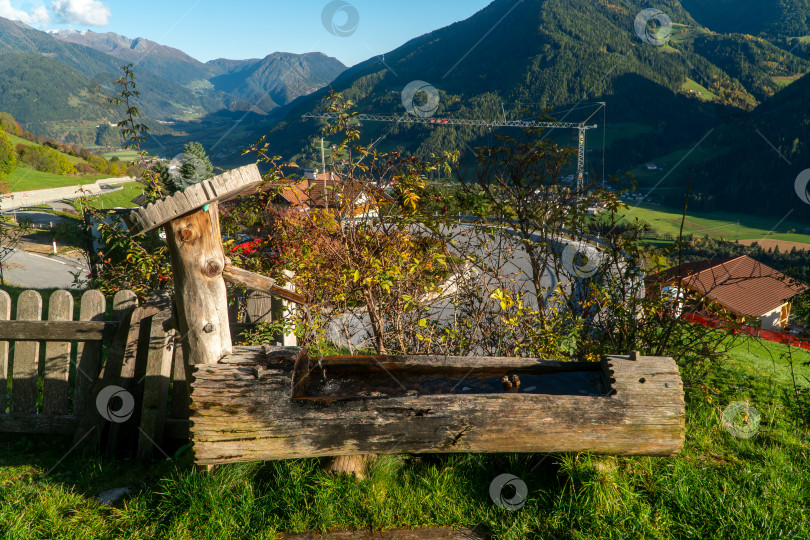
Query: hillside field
point(715, 224)
point(26, 179)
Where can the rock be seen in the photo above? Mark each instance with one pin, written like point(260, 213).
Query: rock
point(112, 496)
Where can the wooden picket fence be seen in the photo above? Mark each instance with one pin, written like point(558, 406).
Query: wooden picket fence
point(54, 368)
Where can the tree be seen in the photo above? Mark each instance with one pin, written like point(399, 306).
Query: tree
point(196, 166)
point(8, 156)
point(164, 178)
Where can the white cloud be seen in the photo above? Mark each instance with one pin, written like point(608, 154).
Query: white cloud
point(36, 16)
point(81, 12)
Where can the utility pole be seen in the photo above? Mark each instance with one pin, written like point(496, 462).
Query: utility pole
point(325, 176)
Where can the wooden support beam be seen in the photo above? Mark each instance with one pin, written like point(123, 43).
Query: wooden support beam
point(39, 423)
point(221, 188)
point(257, 282)
point(57, 330)
point(198, 261)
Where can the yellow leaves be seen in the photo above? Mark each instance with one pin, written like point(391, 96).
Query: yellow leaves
point(411, 199)
point(356, 276)
point(503, 297)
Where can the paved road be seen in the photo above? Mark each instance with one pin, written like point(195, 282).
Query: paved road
point(39, 272)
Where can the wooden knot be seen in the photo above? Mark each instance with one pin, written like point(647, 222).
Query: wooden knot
point(212, 268)
point(208, 328)
point(186, 235)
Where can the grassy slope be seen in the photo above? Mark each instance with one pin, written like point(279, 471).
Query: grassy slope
point(17, 140)
point(696, 87)
point(121, 198)
point(715, 224)
point(25, 179)
point(719, 487)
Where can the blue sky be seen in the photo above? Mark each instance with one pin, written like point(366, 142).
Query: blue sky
point(207, 29)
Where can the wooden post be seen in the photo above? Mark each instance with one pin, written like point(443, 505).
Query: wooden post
point(5, 314)
point(191, 218)
point(195, 246)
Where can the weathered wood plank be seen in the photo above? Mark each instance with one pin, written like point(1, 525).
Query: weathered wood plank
point(124, 374)
point(26, 358)
point(195, 247)
point(124, 305)
point(88, 354)
point(180, 397)
point(5, 315)
point(217, 189)
point(241, 410)
point(256, 282)
point(38, 423)
point(156, 389)
point(57, 358)
point(57, 330)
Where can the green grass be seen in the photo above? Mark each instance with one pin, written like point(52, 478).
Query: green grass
point(695, 87)
point(715, 224)
point(123, 155)
point(25, 179)
point(718, 487)
point(786, 80)
point(18, 140)
point(121, 198)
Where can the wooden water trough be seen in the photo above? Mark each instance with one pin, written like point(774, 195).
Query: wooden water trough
point(266, 403)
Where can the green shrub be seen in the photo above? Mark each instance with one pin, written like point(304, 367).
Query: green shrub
point(8, 155)
point(47, 160)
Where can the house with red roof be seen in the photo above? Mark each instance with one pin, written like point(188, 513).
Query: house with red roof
point(740, 286)
point(327, 191)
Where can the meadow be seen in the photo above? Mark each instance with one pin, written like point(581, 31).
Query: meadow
point(720, 486)
point(666, 220)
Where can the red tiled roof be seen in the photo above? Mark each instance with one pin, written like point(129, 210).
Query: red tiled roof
point(326, 190)
point(741, 284)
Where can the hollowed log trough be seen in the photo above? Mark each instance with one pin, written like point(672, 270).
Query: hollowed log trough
point(261, 404)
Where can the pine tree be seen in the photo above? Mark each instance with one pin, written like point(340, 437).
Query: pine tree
point(164, 178)
point(196, 166)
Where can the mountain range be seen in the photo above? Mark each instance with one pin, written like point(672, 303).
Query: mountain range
point(718, 100)
point(58, 84)
point(680, 106)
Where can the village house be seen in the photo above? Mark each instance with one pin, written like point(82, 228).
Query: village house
point(325, 191)
point(741, 286)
